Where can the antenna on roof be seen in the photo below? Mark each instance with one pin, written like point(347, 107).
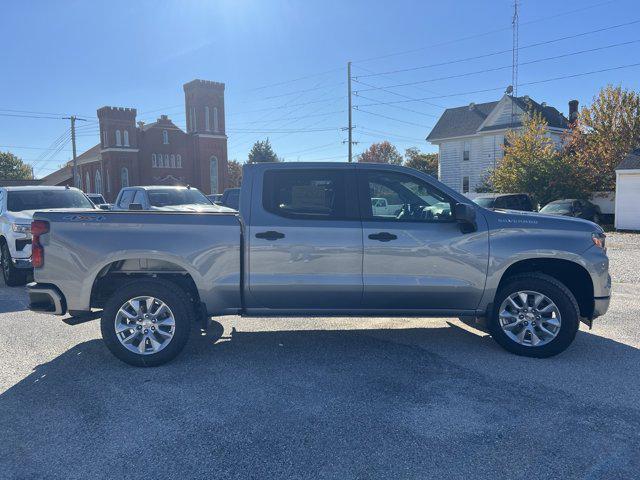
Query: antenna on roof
point(514, 54)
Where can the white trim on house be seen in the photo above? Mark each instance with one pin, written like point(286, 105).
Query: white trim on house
point(209, 135)
point(110, 149)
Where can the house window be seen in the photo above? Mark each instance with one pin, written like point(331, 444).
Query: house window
point(215, 119)
point(126, 138)
point(98, 183)
point(165, 137)
point(206, 118)
point(173, 161)
point(178, 161)
point(465, 184)
point(154, 161)
point(118, 138)
point(466, 150)
point(124, 177)
point(87, 183)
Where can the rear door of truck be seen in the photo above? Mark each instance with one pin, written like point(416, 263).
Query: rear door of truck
point(304, 238)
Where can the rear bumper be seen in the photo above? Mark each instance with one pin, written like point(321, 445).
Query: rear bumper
point(46, 298)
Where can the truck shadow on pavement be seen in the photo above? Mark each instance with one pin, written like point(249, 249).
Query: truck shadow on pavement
point(376, 403)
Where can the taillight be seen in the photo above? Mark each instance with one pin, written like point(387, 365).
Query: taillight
point(38, 227)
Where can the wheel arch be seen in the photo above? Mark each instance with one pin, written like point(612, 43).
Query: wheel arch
point(571, 274)
point(115, 273)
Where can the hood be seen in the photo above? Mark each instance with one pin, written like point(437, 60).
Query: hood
point(193, 208)
point(519, 219)
point(26, 216)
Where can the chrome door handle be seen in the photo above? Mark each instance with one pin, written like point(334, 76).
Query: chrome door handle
point(383, 236)
point(270, 235)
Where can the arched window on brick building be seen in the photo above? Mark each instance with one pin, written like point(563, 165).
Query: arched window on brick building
point(124, 177)
point(118, 138)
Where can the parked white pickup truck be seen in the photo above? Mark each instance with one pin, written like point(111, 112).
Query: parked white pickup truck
point(307, 242)
point(17, 205)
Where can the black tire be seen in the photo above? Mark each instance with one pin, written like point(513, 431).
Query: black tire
point(554, 290)
point(173, 296)
point(13, 277)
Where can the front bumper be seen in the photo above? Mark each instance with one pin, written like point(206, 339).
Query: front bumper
point(22, 263)
point(46, 298)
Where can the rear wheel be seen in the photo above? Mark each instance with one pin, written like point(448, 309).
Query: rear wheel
point(146, 323)
point(534, 315)
point(13, 277)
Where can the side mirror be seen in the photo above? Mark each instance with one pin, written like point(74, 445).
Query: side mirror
point(466, 216)
point(135, 206)
point(104, 206)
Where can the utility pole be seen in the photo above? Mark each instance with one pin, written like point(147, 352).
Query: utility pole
point(350, 128)
point(73, 119)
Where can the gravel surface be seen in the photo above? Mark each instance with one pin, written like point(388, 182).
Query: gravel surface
point(624, 255)
point(324, 398)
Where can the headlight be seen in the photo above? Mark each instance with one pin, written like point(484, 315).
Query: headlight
point(21, 228)
point(599, 239)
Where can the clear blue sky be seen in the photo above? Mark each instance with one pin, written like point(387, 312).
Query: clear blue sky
point(72, 57)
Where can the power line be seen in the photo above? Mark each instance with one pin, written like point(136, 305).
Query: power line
point(504, 67)
point(386, 89)
point(391, 118)
point(287, 130)
point(500, 52)
point(399, 107)
point(483, 34)
point(619, 67)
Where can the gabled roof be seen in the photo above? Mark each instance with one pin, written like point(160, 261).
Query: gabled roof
point(469, 119)
point(165, 123)
point(631, 161)
point(59, 176)
point(88, 156)
point(461, 121)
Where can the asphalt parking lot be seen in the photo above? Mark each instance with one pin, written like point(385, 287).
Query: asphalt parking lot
point(324, 398)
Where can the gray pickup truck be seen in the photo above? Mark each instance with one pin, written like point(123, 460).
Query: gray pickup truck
point(308, 242)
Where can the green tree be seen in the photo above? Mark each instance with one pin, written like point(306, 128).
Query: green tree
point(532, 164)
point(382, 152)
point(262, 152)
point(13, 168)
point(425, 162)
point(604, 133)
point(234, 174)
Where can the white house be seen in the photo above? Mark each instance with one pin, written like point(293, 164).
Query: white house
point(470, 139)
point(628, 192)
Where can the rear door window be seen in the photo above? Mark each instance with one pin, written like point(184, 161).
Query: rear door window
point(308, 194)
point(139, 197)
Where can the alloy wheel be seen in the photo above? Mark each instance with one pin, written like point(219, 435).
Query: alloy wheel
point(530, 318)
point(144, 325)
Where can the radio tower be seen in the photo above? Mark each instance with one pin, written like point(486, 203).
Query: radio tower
point(514, 55)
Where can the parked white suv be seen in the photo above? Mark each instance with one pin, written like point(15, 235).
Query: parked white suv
point(17, 205)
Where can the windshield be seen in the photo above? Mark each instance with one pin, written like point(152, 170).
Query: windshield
point(556, 208)
point(164, 198)
point(17, 201)
point(486, 202)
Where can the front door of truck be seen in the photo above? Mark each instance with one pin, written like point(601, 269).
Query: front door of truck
point(305, 240)
point(415, 254)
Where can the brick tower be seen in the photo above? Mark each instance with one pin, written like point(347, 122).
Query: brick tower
point(119, 151)
point(204, 104)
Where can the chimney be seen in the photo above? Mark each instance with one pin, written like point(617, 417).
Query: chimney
point(472, 106)
point(573, 111)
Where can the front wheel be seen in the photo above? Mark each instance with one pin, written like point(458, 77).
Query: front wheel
point(146, 323)
point(13, 277)
point(534, 315)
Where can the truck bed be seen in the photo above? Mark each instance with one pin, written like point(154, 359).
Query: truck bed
point(83, 247)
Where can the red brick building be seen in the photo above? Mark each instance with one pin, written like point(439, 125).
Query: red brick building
point(157, 153)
